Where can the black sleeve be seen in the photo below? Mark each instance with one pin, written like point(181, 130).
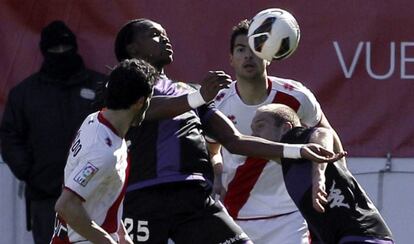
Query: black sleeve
point(205, 111)
point(13, 134)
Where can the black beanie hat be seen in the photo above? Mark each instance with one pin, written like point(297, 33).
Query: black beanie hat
point(57, 33)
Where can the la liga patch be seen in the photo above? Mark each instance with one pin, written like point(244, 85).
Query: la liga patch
point(85, 174)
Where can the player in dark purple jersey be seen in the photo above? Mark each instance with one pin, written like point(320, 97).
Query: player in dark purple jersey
point(334, 205)
point(170, 182)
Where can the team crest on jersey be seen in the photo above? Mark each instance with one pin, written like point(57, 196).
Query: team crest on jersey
point(220, 96)
point(85, 174)
point(108, 141)
point(232, 118)
point(288, 86)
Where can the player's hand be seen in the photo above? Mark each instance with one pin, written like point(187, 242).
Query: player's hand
point(213, 83)
point(319, 154)
point(218, 189)
point(319, 195)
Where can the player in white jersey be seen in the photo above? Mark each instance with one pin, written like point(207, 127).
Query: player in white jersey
point(255, 194)
point(89, 209)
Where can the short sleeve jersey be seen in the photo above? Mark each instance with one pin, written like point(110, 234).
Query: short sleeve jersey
point(253, 182)
point(170, 150)
point(348, 213)
point(96, 171)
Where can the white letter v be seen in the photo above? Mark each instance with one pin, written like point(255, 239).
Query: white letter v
point(348, 73)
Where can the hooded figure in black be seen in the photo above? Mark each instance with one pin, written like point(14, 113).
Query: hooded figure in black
point(60, 51)
point(41, 117)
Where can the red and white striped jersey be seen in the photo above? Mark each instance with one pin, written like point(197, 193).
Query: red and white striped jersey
point(97, 171)
point(255, 187)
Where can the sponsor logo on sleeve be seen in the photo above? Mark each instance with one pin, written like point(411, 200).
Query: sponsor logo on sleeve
point(85, 174)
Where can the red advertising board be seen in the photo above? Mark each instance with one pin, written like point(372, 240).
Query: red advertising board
point(356, 56)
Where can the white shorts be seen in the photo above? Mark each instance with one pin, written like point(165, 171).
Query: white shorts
point(285, 229)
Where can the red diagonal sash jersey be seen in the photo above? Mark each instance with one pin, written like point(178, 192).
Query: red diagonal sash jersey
point(96, 171)
point(255, 187)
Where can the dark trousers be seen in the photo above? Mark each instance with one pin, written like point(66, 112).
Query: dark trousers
point(42, 220)
point(183, 212)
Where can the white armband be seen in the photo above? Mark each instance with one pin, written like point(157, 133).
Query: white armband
point(195, 99)
point(216, 159)
point(292, 151)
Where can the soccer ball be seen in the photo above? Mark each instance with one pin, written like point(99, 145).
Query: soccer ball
point(273, 34)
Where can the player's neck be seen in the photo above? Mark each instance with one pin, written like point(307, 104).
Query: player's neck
point(160, 70)
point(120, 119)
point(254, 91)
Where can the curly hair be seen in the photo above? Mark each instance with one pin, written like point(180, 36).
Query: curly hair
point(130, 80)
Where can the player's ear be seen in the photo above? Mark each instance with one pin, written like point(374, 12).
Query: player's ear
point(287, 126)
point(140, 103)
point(133, 50)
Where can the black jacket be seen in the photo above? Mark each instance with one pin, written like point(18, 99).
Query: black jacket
point(41, 117)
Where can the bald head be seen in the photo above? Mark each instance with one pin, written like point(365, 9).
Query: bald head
point(272, 121)
point(280, 114)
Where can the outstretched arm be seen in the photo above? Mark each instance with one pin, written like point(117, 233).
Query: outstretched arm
point(163, 107)
point(222, 129)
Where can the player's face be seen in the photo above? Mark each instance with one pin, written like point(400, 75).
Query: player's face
point(263, 125)
point(141, 113)
point(245, 63)
point(153, 45)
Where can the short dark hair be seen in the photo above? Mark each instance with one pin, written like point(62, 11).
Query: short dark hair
point(242, 28)
point(126, 36)
point(130, 80)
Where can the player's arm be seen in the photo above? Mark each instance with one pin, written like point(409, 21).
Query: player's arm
point(312, 115)
point(162, 107)
point(217, 162)
point(69, 207)
point(325, 138)
point(337, 146)
point(222, 129)
point(124, 238)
